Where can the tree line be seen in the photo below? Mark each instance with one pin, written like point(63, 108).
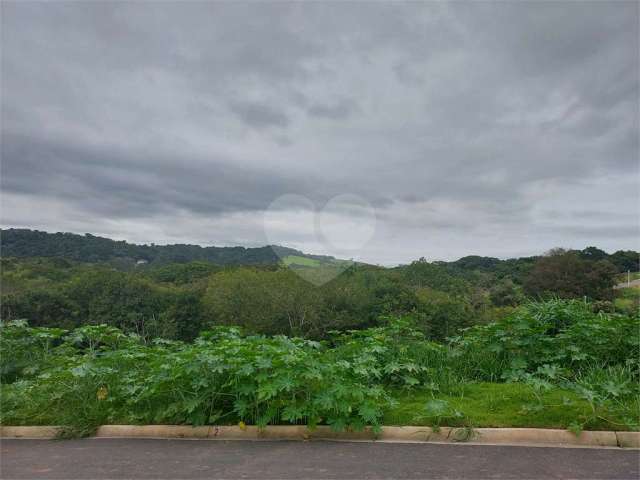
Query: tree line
point(178, 300)
point(90, 248)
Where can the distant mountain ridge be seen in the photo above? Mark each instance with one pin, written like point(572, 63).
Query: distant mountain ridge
point(17, 242)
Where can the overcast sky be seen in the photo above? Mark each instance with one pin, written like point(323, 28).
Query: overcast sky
point(464, 128)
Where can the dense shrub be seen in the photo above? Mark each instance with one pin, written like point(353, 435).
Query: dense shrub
point(25, 351)
point(565, 333)
point(97, 374)
point(441, 315)
point(395, 354)
point(263, 302)
point(222, 377)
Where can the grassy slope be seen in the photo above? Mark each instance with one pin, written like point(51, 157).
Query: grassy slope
point(499, 405)
point(628, 299)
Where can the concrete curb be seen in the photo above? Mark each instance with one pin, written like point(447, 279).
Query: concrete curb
point(628, 439)
point(498, 436)
point(28, 432)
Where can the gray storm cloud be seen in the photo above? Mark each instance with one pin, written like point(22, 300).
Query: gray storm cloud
point(472, 127)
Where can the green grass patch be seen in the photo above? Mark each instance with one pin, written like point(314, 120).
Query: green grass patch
point(628, 300)
point(501, 405)
point(632, 293)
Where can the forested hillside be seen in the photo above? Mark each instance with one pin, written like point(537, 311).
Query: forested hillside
point(65, 280)
point(90, 248)
point(93, 249)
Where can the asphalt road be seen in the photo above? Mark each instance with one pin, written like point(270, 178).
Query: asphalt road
point(632, 283)
point(218, 459)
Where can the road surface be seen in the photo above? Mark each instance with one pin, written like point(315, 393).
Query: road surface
point(218, 459)
point(632, 283)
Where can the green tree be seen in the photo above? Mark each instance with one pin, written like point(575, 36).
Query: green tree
point(43, 308)
point(626, 260)
point(593, 253)
point(441, 315)
point(183, 273)
point(122, 300)
point(506, 293)
point(566, 275)
point(422, 274)
point(277, 302)
point(184, 316)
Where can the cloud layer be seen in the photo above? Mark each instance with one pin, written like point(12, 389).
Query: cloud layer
point(500, 129)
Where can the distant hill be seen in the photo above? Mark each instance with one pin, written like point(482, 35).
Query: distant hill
point(90, 248)
point(517, 268)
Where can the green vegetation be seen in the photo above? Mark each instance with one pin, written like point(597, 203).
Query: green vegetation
point(486, 404)
point(628, 300)
point(94, 249)
point(570, 275)
point(203, 336)
point(298, 260)
point(177, 301)
point(90, 248)
point(554, 363)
